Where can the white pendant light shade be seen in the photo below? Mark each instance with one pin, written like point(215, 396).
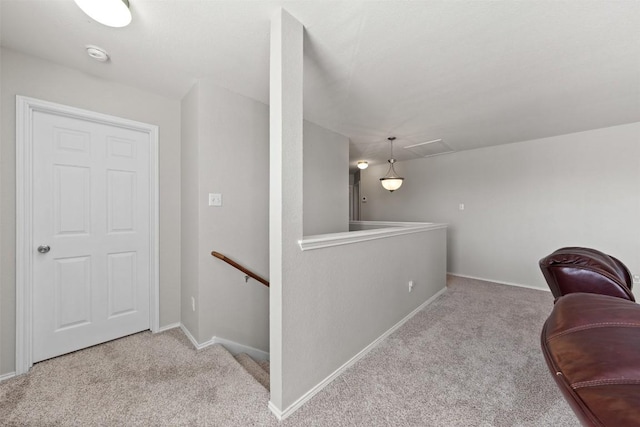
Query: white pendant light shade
point(391, 181)
point(391, 184)
point(363, 164)
point(112, 13)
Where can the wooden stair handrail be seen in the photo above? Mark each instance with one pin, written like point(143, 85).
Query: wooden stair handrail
point(241, 268)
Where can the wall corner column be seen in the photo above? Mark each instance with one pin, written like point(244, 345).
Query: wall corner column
point(286, 167)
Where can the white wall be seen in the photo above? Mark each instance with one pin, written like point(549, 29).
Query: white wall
point(33, 77)
point(326, 181)
point(522, 201)
point(225, 149)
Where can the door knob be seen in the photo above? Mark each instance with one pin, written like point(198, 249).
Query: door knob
point(43, 249)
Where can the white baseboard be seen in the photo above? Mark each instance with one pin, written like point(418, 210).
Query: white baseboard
point(167, 327)
point(281, 415)
point(5, 377)
point(500, 282)
point(233, 347)
point(195, 343)
point(276, 411)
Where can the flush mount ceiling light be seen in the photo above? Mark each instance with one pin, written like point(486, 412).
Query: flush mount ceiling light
point(112, 13)
point(363, 164)
point(391, 181)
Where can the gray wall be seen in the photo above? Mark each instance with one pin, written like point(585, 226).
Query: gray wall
point(234, 161)
point(1, 222)
point(522, 201)
point(225, 149)
point(325, 180)
point(328, 304)
point(339, 300)
point(190, 215)
point(29, 76)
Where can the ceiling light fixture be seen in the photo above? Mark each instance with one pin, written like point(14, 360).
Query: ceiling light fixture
point(391, 181)
point(112, 13)
point(363, 164)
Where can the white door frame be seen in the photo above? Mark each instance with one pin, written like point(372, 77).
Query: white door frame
point(25, 107)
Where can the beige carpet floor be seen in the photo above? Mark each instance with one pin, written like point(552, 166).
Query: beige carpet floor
point(471, 358)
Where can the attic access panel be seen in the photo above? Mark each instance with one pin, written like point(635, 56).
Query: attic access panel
point(429, 148)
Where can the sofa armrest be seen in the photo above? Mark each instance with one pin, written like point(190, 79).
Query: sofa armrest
point(570, 270)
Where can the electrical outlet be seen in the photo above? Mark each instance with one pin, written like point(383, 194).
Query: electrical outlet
point(410, 285)
point(636, 278)
point(215, 199)
point(193, 304)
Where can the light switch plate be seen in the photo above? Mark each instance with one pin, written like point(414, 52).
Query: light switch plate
point(215, 199)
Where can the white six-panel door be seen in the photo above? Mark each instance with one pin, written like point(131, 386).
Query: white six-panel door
point(90, 233)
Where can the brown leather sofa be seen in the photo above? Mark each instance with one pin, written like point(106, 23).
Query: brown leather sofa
point(592, 346)
point(575, 269)
point(591, 340)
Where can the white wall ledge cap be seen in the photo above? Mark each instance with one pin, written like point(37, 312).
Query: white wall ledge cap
point(383, 230)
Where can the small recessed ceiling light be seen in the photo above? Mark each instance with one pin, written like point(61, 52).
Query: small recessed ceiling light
point(112, 13)
point(363, 164)
point(98, 53)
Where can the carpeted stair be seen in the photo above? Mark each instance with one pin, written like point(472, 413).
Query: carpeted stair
point(258, 370)
point(144, 379)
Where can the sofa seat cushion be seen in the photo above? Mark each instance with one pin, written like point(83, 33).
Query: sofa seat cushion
point(591, 344)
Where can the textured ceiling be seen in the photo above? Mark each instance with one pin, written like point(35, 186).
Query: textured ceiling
point(472, 73)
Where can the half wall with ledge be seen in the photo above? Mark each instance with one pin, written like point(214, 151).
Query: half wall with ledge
point(348, 291)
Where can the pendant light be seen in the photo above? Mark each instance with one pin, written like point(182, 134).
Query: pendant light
point(391, 181)
point(112, 13)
